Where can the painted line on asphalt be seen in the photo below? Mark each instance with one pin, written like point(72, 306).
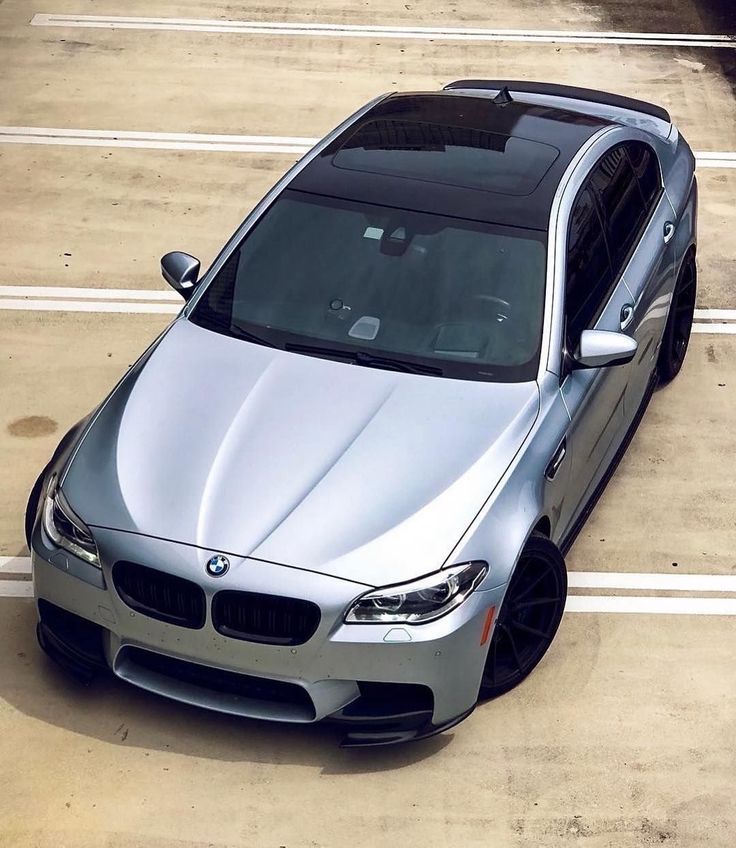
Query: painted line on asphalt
point(15, 565)
point(656, 606)
point(155, 140)
point(136, 135)
point(705, 314)
point(91, 306)
point(93, 293)
point(717, 329)
point(652, 581)
point(209, 142)
point(16, 589)
point(309, 29)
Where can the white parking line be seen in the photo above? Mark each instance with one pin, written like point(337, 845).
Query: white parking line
point(657, 606)
point(15, 565)
point(16, 589)
point(89, 306)
point(651, 581)
point(710, 314)
point(99, 294)
point(288, 28)
point(715, 329)
point(218, 143)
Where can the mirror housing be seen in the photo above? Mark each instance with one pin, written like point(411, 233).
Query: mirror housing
point(601, 348)
point(181, 272)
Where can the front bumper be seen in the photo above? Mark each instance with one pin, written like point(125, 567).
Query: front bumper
point(383, 683)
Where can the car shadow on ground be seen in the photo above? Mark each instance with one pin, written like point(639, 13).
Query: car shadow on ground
point(112, 711)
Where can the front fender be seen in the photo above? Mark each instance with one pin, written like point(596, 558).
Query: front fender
point(523, 498)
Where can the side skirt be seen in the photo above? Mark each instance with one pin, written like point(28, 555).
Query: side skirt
point(568, 539)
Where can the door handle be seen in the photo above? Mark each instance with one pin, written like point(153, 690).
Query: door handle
point(627, 315)
point(557, 460)
point(668, 231)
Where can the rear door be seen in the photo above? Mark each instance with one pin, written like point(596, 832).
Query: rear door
point(650, 272)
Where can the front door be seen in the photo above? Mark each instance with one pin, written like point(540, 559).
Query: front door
point(611, 219)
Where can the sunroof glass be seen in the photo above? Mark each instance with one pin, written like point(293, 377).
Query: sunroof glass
point(458, 156)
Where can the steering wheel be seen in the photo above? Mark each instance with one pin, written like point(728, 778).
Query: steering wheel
point(504, 307)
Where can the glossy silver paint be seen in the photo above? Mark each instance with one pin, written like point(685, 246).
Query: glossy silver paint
point(320, 479)
point(601, 348)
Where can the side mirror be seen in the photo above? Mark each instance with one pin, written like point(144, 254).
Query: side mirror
point(600, 348)
point(181, 271)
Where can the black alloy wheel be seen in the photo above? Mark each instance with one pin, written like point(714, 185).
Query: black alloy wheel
point(529, 617)
point(679, 323)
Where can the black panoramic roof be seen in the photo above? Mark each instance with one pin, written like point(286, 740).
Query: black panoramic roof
point(458, 155)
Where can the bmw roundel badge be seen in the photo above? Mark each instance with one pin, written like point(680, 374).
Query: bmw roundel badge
point(217, 566)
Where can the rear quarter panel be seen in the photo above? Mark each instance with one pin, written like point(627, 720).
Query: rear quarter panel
point(678, 172)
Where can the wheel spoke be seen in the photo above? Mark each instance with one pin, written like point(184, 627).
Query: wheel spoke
point(536, 602)
point(512, 643)
point(525, 628)
point(534, 583)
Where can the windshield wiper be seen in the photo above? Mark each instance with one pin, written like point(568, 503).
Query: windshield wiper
point(247, 336)
point(360, 357)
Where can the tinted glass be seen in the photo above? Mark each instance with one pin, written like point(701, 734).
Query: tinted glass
point(459, 156)
point(621, 202)
point(460, 296)
point(644, 163)
point(588, 277)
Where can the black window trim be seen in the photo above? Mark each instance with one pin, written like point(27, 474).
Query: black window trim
point(617, 275)
point(660, 192)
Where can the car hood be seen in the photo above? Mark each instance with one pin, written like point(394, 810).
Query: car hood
point(365, 474)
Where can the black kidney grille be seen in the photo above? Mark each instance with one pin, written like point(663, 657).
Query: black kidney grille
point(160, 595)
point(270, 619)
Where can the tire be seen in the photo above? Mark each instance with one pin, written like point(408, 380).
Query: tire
point(679, 322)
point(529, 617)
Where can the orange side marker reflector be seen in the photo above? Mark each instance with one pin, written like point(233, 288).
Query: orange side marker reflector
point(487, 625)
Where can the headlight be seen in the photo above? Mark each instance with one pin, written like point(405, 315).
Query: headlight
point(420, 601)
point(65, 528)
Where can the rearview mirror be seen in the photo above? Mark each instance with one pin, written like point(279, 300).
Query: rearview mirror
point(600, 348)
point(181, 271)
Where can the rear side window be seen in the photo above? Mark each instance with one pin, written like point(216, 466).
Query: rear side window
point(622, 206)
point(589, 276)
point(644, 162)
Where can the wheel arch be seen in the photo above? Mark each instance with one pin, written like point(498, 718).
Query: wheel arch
point(55, 464)
point(543, 526)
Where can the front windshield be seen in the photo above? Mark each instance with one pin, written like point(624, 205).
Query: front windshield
point(460, 298)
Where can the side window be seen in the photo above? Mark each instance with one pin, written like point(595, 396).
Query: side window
point(644, 162)
point(588, 271)
point(622, 206)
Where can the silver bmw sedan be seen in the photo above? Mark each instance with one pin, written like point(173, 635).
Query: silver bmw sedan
point(341, 484)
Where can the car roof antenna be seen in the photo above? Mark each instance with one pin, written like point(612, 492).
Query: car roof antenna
point(503, 97)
